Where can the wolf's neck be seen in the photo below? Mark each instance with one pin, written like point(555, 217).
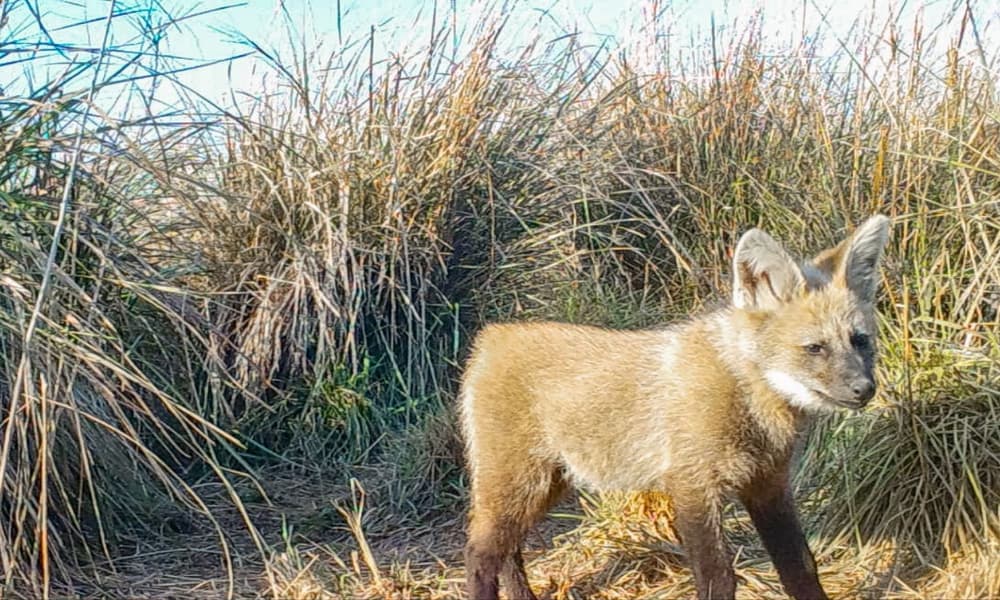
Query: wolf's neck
point(733, 334)
point(780, 423)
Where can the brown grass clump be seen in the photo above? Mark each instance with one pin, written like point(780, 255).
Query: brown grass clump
point(105, 436)
point(967, 574)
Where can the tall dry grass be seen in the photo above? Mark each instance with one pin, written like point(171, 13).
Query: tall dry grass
point(105, 436)
point(296, 286)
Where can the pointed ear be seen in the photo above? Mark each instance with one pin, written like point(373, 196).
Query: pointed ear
point(861, 255)
point(764, 276)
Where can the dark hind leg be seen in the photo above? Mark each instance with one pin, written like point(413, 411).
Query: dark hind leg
point(514, 578)
point(547, 490)
point(484, 555)
point(499, 520)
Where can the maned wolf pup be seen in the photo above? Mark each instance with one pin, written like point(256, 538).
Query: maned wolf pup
point(700, 410)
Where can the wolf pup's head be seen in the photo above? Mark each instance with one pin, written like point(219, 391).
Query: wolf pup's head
point(815, 335)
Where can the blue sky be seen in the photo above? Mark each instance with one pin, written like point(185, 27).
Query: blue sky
point(403, 25)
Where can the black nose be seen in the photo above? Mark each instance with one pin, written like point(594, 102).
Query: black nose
point(863, 390)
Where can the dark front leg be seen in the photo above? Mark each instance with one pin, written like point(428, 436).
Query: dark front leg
point(700, 529)
point(772, 510)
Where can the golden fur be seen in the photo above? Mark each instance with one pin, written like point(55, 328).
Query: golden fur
point(700, 410)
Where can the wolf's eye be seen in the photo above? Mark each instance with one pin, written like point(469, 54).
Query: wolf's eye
point(860, 340)
point(815, 349)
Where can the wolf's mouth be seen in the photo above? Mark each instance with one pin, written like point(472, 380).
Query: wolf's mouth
point(841, 403)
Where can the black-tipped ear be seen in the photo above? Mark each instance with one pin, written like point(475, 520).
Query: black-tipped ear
point(764, 275)
point(862, 254)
